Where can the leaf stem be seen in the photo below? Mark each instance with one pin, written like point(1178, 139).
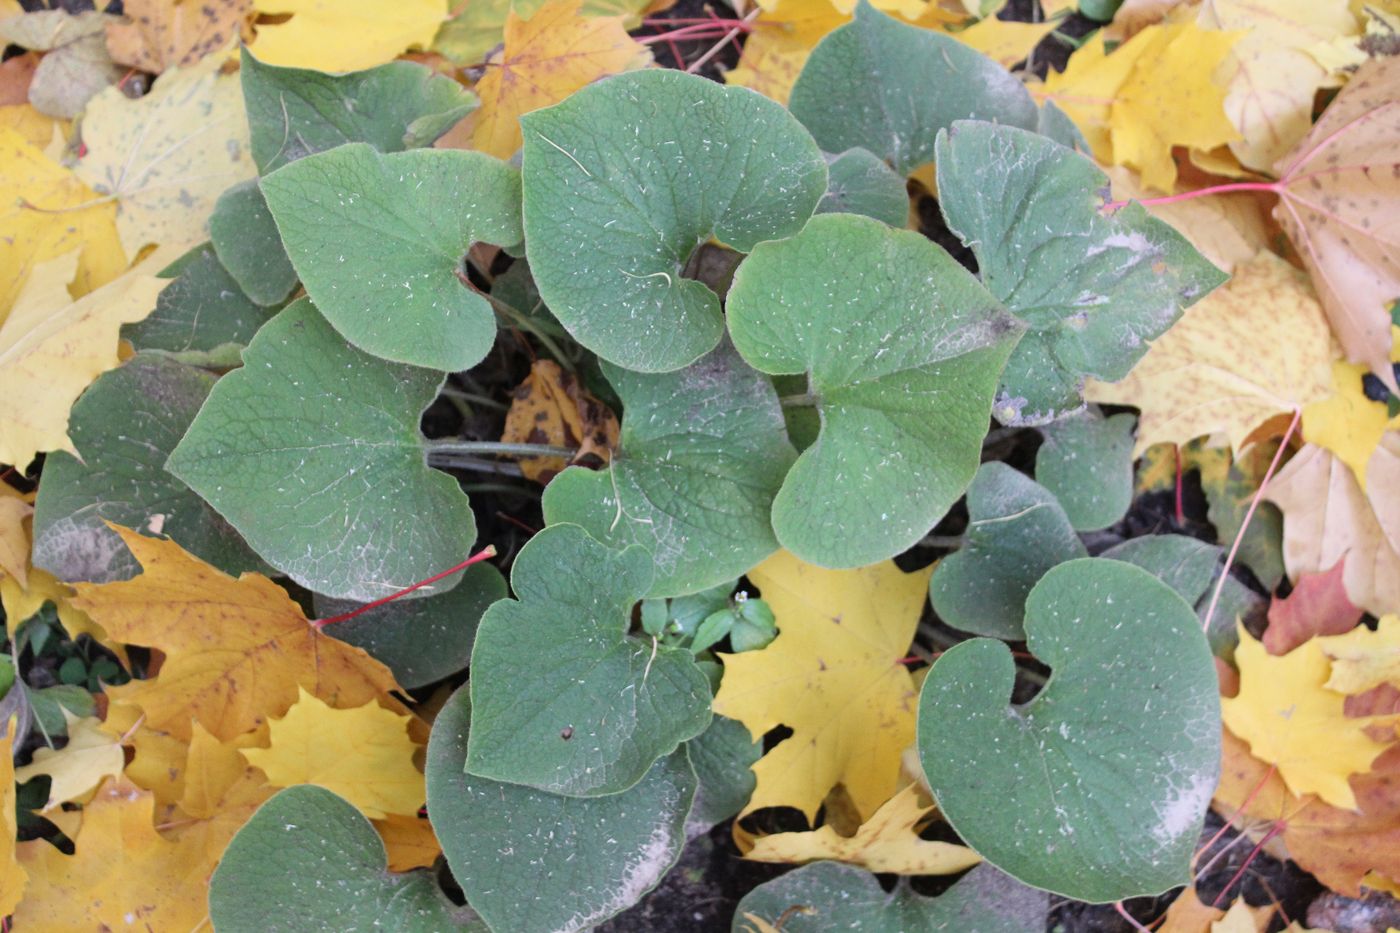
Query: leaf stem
point(500, 449)
point(486, 554)
point(805, 400)
point(948, 542)
point(1232, 188)
point(473, 398)
point(521, 320)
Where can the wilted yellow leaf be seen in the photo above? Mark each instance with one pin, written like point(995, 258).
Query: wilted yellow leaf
point(546, 58)
point(550, 407)
point(51, 348)
point(345, 35)
point(1292, 720)
point(1257, 348)
point(13, 877)
point(1348, 423)
point(832, 676)
point(1363, 659)
point(1004, 41)
point(15, 509)
point(1188, 915)
point(21, 602)
point(409, 841)
point(887, 842)
point(167, 157)
point(1241, 918)
point(237, 651)
point(363, 754)
point(163, 34)
point(221, 791)
point(78, 767)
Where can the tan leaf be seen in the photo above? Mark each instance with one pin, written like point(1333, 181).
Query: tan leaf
point(78, 767)
point(550, 407)
point(162, 34)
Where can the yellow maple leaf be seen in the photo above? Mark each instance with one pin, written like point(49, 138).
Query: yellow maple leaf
point(409, 841)
point(1257, 348)
point(545, 59)
point(1363, 659)
point(159, 758)
point(166, 157)
point(13, 877)
point(363, 754)
point(1348, 423)
point(1187, 914)
point(78, 767)
point(38, 129)
point(345, 35)
point(21, 602)
point(1291, 719)
point(832, 676)
point(1269, 75)
point(51, 348)
point(1086, 90)
point(1327, 516)
point(887, 842)
point(1241, 918)
point(237, 650)
point(1005, 41)
point(220, 792)
point(15, 510)
point(124, 874)
point(43, 214)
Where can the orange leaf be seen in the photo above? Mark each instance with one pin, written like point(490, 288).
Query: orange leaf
point(163, 34)
point(1318, 605)
point(550, 407)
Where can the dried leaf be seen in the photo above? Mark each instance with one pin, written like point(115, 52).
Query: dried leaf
point(1318, 605)
point(78, 767)
point(163, 34)
point(345, 35)
point(1364, 659)
point(550, 407)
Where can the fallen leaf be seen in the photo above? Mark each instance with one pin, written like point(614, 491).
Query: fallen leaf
point(1318, 605)
point(832, 676)
point(1188, 915)
point(221, 792)
point(550, 407)
point(13, 877)
point(1136, 15)
point(1227, 231)
point(362, 754)
point(237, 651)
point(1241, 918)
point(148, 885)
point(887, 842)
point(15, 76)
point(1364, 659)
point(159, 759)
point(45, 212)
point(76, 66)
point(52, 347)
point(1257, 348)
point(344, 35)
point(1339, 197)
point(20, 602)
point(167, 157)
point(1292, 720)
point(15, 509)
point(1270, 77)
point(1327, 516)
point(78, 767)
point(1340, 847)
point(1005, 41)
point(1346, 421)
point(545, 59)
point(162, 34)
point(409, 840)
point(39, 130)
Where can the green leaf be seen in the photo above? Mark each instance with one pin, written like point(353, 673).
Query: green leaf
point(723, 756)
point(378, 241)
point(565, 701)
point(861, 183)
point(421, 640)
point(1055, 124)
point(309, 861)
point(843, 897)
point(903, 350)
point(1086, 462)
point(124, 426)
point(625, 179)
point(202, 318)
point(1017, 531)
point(890, 87)
point(530, 860)
point(1228, 500)
point(702, 454)
point(293, 112)
point(1081, 791)
point(312, 451)
point(1094, 288)
point(246, 240)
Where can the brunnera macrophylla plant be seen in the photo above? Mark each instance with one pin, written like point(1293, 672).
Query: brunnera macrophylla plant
point(564, 776)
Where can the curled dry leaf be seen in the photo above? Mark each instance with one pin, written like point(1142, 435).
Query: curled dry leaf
point(550, 407)
point(1340, 205)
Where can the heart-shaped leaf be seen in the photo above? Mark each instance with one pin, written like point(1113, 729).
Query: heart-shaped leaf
point(626, 178)
point(702, 454)
point(309, 861)
point(861, 183)
point(1086, 462)
point(1017, 531)
point(246, 240)
point(378, 242)
point(202, 318)
point(1081, 791)
point(902, 349)
point(294, 112)
point(565, 700)
point(889, 87)
point(843, 897)
point(312, 451)
point(1093, 288)
point(530, 860)
point(723, 756)
point(124, 427)
point(421, 640)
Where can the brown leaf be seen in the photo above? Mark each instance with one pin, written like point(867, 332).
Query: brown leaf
point(550, 407)
point(161, 34)
point(1318, 605)
point(15, 75)
point(1339, 200)
point(1188, 915)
